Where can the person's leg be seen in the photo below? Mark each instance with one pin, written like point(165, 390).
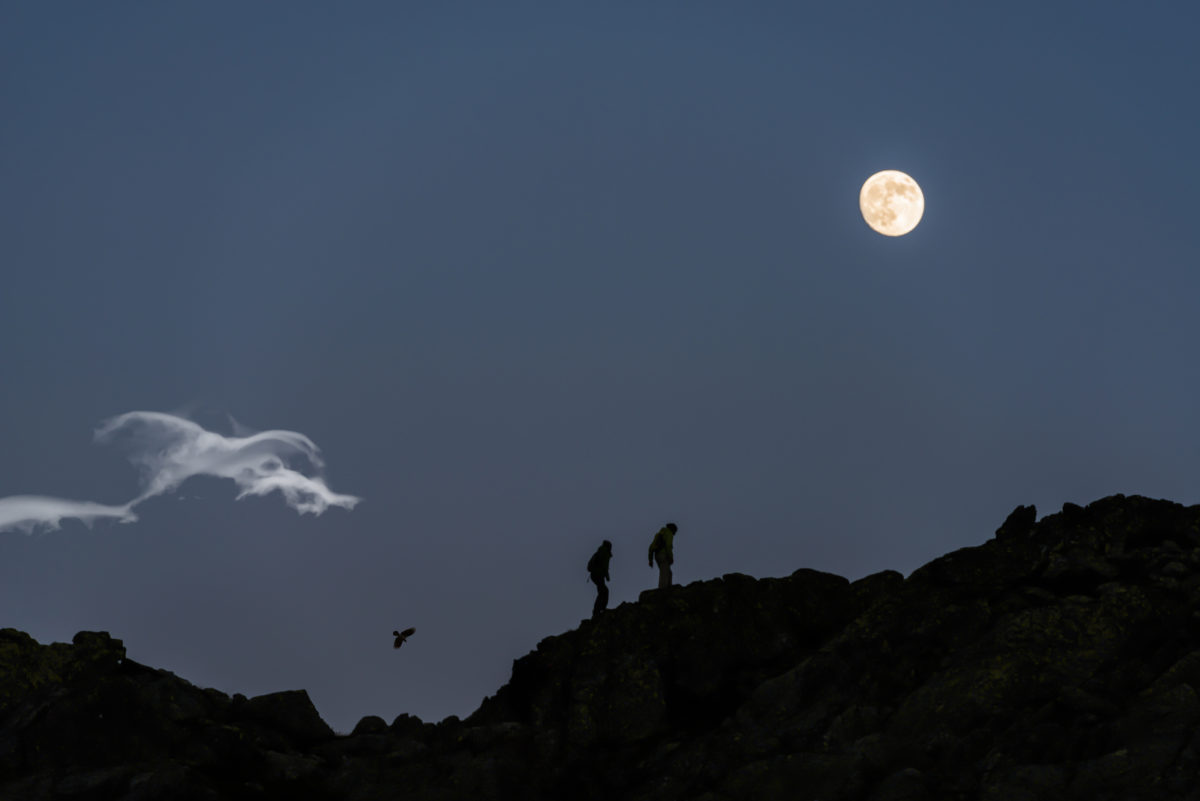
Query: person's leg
point(601, 598)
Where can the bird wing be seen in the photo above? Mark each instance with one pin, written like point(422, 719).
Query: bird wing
point(404, 635)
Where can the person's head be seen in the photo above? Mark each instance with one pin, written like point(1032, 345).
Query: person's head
point(606, 545)
point(673, 527)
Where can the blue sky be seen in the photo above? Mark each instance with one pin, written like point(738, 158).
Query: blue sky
point(538, 275)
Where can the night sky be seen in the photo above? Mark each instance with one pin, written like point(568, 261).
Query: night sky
point(533, 275)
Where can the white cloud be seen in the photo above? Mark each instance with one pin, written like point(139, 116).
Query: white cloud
point(30, 512)
point(168, 450)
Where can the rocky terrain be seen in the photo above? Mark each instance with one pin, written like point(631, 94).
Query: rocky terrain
point(1058, 660)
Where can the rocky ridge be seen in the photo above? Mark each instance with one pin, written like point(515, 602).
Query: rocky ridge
point(1058, 660)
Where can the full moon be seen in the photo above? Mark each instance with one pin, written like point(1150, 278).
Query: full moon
point(891, 203)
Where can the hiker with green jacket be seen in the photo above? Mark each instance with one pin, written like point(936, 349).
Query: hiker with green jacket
point(597, 568)
point(660, 551)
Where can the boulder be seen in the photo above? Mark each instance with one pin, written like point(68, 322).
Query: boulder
point(289, 713)
point(1019, 522)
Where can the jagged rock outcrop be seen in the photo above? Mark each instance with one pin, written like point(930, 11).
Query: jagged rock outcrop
point(83, 721)
point(1059, 660)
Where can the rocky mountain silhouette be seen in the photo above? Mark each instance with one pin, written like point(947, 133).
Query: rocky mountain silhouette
point(1058, 660)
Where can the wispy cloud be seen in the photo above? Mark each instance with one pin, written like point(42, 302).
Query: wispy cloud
point(29, 512)
point(168, 450)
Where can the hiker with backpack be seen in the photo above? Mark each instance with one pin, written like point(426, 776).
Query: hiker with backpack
point(597, 568)
point(661, 552)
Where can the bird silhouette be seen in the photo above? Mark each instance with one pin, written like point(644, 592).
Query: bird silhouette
point(401, 636)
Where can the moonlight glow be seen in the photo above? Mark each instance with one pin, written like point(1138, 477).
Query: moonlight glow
point(891, 203)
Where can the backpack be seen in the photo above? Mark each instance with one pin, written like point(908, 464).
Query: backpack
point(598, 564)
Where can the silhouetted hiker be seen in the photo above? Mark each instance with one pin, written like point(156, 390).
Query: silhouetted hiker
point(597, 568)
point(401, 636)
point(660, 551)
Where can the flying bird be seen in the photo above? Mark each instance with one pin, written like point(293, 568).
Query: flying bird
point(401, 636)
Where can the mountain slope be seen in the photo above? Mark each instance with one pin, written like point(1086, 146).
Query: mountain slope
point(1059, 660)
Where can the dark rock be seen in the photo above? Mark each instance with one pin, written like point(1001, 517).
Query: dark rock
point(877, 586)
point(1174, 569)
point(94, 783)
point(371, 724)
point(1078, 568)
point(406, 725)
point(176, 782)
point(904, 785)
point(290, 713)
point(1018, 523)
point(405, 749)
point(1026, 783)
point(288, 767)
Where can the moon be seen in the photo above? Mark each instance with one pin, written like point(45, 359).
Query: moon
point(891, 203)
